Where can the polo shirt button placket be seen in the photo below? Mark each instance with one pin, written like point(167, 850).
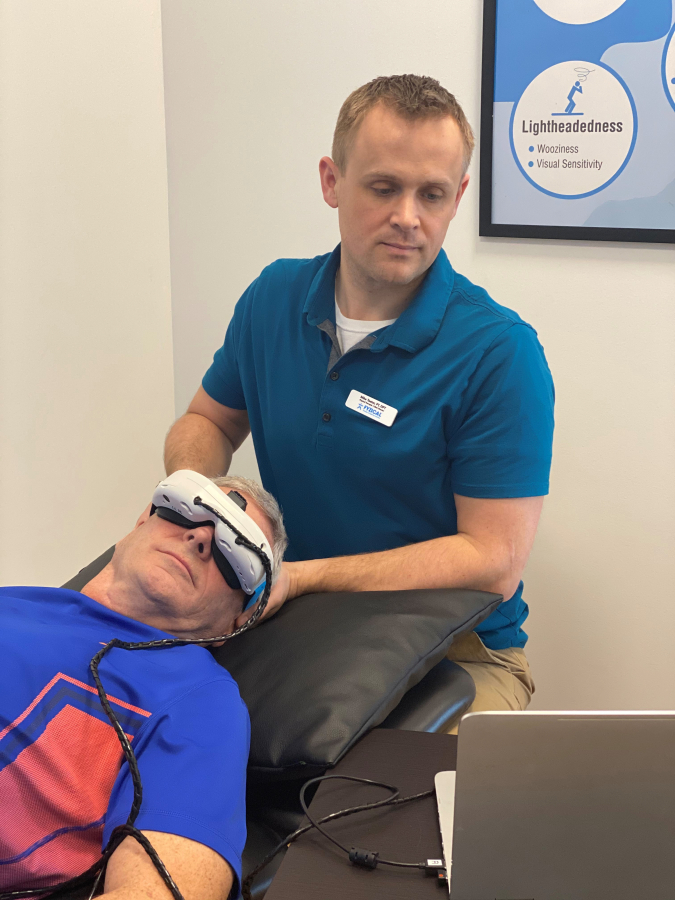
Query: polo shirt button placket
point(326, 417)
point(334, 375)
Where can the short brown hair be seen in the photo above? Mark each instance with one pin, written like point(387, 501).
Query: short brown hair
point(410, 96)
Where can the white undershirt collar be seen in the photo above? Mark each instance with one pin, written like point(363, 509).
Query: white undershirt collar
point(351, 331)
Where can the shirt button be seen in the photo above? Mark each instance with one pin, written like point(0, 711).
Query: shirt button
point(334, 376)
point(326, 417)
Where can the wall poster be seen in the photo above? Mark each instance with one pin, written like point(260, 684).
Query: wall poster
point(578, 120)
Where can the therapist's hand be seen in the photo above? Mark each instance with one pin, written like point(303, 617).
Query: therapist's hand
point(285, 588)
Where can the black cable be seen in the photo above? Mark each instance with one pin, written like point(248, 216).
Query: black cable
point(390, 787)
point(389, 801)
point(303, 803)
point(128, 829)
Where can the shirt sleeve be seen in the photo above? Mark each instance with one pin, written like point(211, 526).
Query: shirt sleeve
point(192, 759)
point(503, 444)
point(223, 380)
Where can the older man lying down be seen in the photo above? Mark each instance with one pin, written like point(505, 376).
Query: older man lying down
point(64, 782)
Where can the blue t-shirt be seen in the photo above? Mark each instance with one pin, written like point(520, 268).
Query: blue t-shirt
point(64, 783)
point(474, 401)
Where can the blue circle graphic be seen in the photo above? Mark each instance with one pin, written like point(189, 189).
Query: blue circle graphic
point(669, 41)
point(614, 176)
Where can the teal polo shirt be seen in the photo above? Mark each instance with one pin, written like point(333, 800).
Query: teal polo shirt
point(474, 413)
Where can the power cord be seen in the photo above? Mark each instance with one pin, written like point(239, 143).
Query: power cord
point(365, 858)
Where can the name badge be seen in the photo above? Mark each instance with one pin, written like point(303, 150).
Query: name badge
point(367, 406)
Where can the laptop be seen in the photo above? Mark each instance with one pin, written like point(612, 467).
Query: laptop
point(561, 806)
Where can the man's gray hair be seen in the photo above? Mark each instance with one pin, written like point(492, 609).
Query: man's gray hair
point(269, 506)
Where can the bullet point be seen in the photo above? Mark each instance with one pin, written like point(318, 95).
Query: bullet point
point(530, 164)
point(531, 149)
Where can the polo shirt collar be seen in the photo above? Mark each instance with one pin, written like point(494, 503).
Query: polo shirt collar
point(414, 329)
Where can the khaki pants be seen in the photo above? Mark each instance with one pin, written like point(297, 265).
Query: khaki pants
point(502, 677)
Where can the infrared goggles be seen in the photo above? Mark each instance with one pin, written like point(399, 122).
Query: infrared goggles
point(190, 500)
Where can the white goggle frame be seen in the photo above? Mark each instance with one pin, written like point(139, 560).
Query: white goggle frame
point(180, 490)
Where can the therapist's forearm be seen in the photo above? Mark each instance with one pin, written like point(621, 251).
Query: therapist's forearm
point(456, 561)
point(194, 442)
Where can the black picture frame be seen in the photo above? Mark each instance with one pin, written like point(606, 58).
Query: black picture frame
point(488, 228)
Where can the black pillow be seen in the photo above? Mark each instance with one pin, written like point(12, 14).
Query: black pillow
point(329, 667)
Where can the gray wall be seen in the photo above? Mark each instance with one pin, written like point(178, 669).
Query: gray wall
point(252, 92)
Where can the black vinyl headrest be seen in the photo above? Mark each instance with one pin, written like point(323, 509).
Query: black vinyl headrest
point(329, 667)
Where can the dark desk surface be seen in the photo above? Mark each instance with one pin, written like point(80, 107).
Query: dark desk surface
point(315, 869)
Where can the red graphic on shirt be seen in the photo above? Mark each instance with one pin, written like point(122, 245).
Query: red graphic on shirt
point(80, 684)
point(55, 793)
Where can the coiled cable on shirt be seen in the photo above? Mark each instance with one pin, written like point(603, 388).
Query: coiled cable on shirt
point(97, 871)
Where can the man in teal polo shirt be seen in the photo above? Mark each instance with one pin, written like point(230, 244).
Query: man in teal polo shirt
point(402, 418)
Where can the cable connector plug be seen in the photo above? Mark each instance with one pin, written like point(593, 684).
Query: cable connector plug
point(431, 866)
point(367, 859)
point(436, 867)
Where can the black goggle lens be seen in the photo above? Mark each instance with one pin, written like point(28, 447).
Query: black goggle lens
point(172, 516)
